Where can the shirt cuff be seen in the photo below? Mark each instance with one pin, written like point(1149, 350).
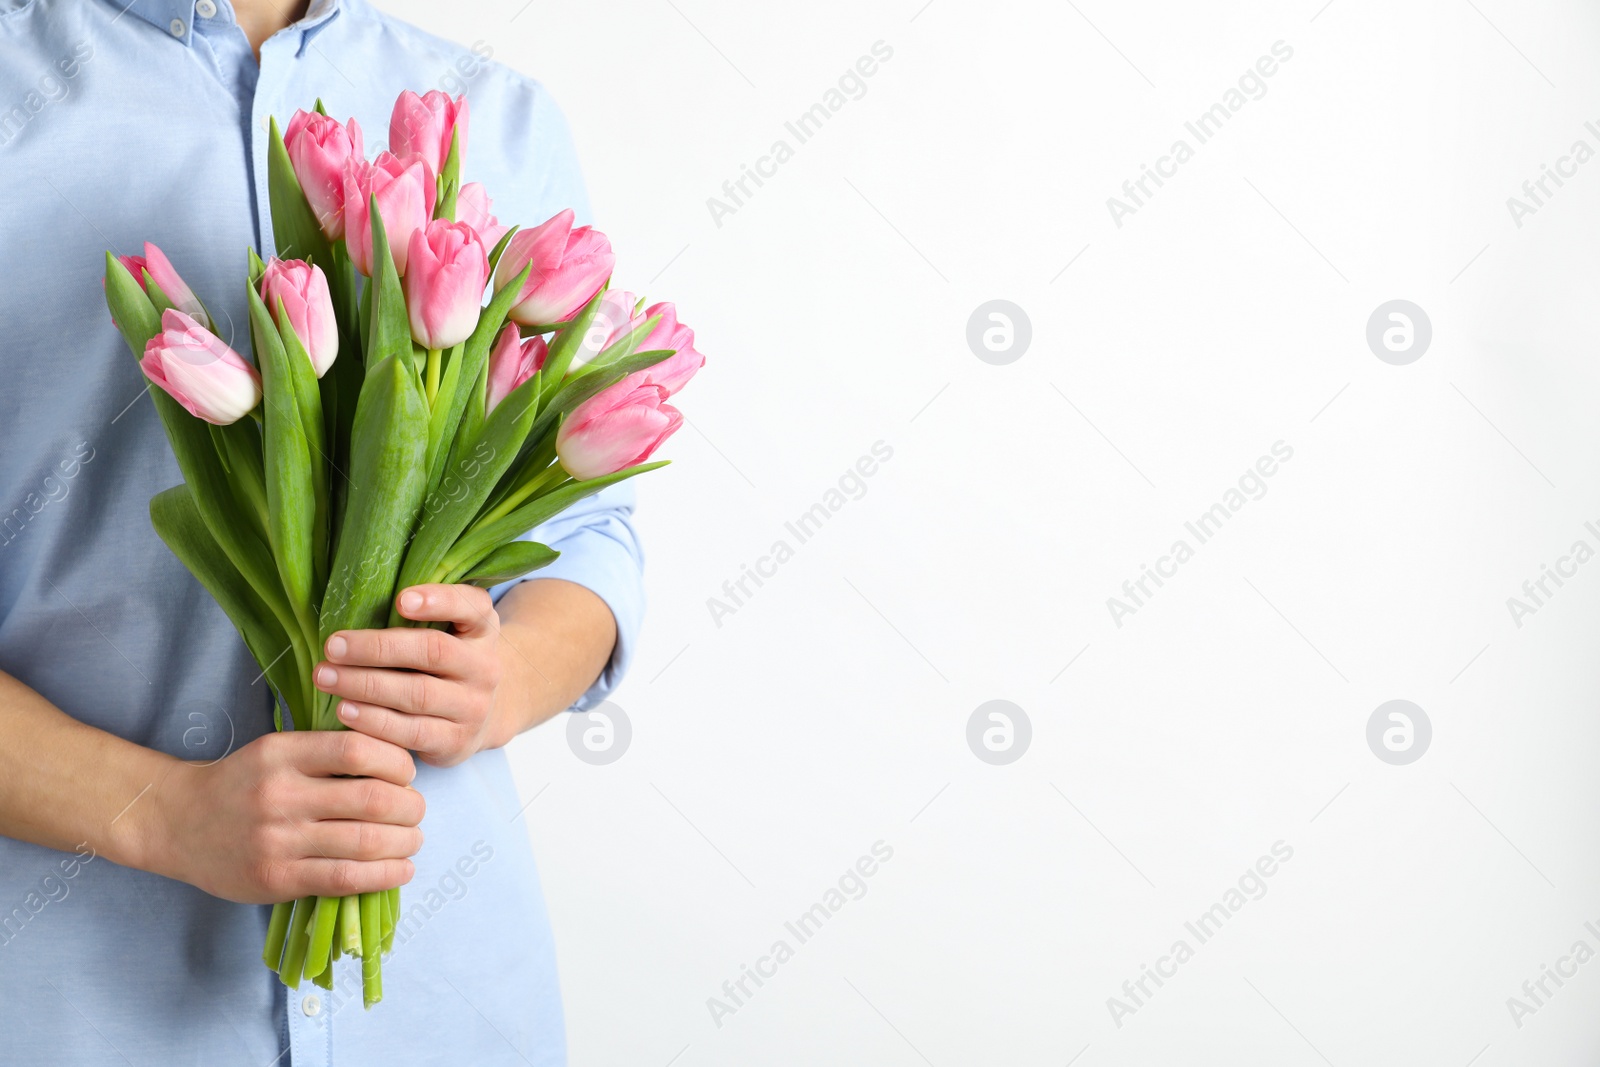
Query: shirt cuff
point(599, 551)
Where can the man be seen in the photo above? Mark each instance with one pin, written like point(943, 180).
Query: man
point(148, 813)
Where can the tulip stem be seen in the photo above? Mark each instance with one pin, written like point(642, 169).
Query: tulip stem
point(433, 375)
point(545, 478)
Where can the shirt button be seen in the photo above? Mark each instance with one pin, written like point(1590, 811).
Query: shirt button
point(177, 27)
point(205, 9)
point(312, 1005)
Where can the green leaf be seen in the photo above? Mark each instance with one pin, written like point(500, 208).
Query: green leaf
point(450, 179)
point(482, 539)
point(510, 560)
point(453, 504)
point(500, 250)
point(291, 501)
point(308, 396)
point(581, 387)
point(467, 367)
point(389, 329)
point(387, 481)
point(566, 342)
point(294, 224)
point(136, 318)
point(621, 348)
point(177, 521)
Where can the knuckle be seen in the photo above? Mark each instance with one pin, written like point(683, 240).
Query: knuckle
point(272, 793)
point(342, 877)
point(417, 731)
point(388, 647)
point(434, 649)
point(420, 688)
point(369, 841)
point(372, 800)
point(347, 748)
point(273, 876)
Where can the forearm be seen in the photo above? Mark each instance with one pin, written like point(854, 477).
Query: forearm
point(555, 639)
point(64, 783)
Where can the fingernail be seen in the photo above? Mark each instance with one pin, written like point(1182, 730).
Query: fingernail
point(337, 646)
point(327, 676)
point(349, 712)
point(410, 600)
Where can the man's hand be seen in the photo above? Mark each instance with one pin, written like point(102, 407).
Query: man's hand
point(426, 690)
point(271, 821)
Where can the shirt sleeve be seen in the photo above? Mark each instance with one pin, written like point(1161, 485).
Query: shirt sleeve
point(599, 551)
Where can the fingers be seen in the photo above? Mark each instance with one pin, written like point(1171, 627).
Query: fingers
point(427, 735)
point(365, 800)
point(468, 608)
point(412, 691)
point(341, 877)
point(325, 753)
point(348, 839)
point(403, 648)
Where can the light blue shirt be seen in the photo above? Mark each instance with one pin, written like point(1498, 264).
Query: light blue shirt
point(121, 123)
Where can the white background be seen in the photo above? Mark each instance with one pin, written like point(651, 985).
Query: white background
point(830, 710)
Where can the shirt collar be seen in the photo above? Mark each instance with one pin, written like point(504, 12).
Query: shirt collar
point(176, 17)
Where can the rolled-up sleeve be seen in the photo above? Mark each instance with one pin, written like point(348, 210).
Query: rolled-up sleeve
point(599, 551)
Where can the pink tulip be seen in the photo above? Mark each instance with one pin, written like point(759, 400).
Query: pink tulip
point(569, 266)
point(472, 208)
point(513, 362)
point(211, 380)
point(405, 192)
point(421, 127)
point(672, 373)
point(320, 149)
point(155, 264)
point(300, 290)
point(446, 270)
point(616, 428)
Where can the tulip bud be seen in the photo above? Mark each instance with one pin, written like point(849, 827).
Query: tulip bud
point(421, 127)
point(405, 192)
point(472, 208)
point(616, 428)
point(300, 290)
point(446, 270)
point(159, 269)
point(512, 362)
point(319, 150)
point(569, 267)
point(210, 380)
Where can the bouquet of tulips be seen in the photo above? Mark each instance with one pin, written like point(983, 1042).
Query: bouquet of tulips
point(400, 431)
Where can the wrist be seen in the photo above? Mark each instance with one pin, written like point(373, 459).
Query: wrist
point(139, 834)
